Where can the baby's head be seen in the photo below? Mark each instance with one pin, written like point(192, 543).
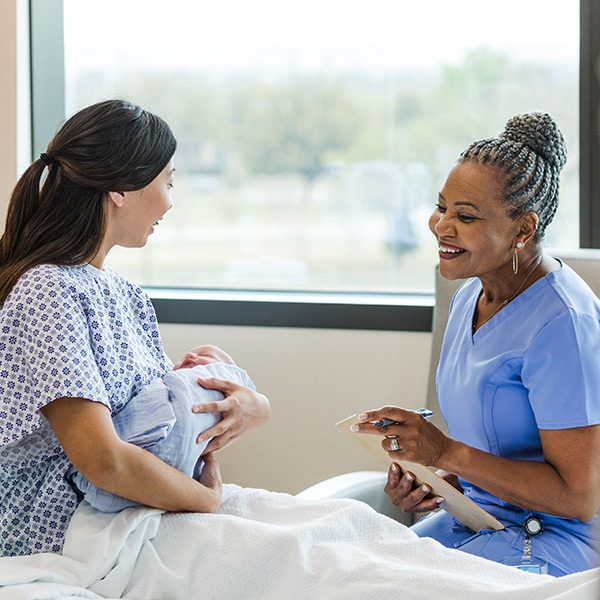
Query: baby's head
point(204, 355)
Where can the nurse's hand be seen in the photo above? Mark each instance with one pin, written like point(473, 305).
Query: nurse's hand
point(407, 495)
point(243, 409)
point(416, 439)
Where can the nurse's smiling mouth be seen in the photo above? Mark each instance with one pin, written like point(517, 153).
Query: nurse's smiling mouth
point(448, 252)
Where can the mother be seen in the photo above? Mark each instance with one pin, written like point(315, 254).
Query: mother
point(519, 375)
point(77, 340)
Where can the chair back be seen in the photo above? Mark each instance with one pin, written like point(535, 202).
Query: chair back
point(586, 263)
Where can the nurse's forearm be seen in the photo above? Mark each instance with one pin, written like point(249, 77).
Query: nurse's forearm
point(536, 486)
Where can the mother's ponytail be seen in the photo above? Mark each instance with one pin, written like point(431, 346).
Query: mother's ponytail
point(21, 210)
point(110, 146)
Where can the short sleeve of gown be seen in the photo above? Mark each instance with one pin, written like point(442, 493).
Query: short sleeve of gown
point(561, 370)
point(45, 353)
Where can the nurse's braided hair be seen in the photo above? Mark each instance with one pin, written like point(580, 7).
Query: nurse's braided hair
point(531, 153)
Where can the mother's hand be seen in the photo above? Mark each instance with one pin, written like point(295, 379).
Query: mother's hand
point(243, 409)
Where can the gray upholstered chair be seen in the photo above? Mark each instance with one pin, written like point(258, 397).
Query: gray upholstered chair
point(368, 485)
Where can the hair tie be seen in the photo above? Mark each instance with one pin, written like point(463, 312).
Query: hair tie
point(48, 160)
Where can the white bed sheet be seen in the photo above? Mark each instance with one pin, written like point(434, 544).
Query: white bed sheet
point(267, 546)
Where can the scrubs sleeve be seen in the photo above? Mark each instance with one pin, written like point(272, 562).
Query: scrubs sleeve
point(561, 371)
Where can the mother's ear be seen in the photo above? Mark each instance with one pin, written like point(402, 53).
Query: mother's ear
point(117, 198)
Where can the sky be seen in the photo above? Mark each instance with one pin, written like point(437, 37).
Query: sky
point(313, 34)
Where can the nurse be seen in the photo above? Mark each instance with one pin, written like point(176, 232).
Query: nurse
point(519, 375)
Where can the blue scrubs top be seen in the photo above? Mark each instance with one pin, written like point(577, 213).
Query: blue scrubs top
point(535, 365)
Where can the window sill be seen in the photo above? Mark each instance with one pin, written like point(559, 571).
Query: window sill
point(385, 312)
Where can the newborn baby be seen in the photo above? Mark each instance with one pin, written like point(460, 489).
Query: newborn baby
point(160, 420)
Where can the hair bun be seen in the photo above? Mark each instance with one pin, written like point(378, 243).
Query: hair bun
point(539, 132)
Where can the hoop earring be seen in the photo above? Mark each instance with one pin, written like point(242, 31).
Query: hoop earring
point(516, 258)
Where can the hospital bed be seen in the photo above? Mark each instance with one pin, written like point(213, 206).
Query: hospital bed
point(321, 544)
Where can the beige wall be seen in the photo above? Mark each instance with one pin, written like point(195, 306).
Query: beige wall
point(312, 377)
point(14, 96)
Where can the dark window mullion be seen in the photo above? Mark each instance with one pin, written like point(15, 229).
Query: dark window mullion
point(589, 124)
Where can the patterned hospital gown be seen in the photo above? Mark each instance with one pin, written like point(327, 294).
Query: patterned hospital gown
point(64, 332)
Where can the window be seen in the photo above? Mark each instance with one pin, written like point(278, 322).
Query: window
point(313, 140)
point(314, 137)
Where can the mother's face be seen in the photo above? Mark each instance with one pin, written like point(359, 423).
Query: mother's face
point(471, 224)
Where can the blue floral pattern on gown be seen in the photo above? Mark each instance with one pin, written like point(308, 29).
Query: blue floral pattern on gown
point(74, 332)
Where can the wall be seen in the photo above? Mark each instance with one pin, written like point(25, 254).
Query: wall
point(15, 130)
point(312, 377)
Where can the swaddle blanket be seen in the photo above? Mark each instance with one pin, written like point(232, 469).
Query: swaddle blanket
point(160, 419)
point(267, 546)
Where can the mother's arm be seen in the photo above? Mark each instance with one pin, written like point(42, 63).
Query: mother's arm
point(88, 437)
point(565, 484)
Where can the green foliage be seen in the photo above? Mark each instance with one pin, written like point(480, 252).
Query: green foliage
point(293, 127)
point(298, 125)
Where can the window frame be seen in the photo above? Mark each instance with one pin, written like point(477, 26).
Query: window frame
point(589, 124)
point(392, 312)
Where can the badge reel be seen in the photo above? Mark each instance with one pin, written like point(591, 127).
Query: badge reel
point(527, 561)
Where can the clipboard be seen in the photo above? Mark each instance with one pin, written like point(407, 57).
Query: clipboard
point(458, 505)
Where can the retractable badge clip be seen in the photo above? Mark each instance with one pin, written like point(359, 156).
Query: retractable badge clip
point(532, 526)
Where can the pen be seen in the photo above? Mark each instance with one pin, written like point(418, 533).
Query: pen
point(424, 412)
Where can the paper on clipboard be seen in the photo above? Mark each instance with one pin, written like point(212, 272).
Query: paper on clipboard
point(455, 503)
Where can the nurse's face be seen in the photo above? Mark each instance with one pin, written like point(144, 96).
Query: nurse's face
point(475, 235)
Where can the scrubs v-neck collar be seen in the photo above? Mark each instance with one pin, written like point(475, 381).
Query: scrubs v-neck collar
point(505, 312)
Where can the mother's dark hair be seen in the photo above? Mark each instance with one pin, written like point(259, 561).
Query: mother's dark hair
point(110, 146)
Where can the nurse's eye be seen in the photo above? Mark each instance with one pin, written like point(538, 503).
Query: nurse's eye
point(440, 208)
point(467, 218)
